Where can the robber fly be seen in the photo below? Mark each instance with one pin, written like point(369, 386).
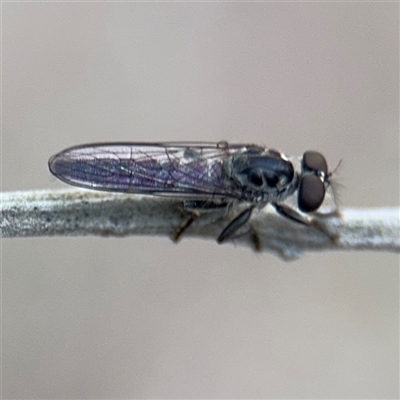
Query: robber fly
point(201, 175)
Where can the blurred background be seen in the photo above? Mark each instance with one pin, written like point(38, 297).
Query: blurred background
point(142, 317)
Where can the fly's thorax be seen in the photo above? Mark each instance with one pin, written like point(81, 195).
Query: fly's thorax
point(262, 174)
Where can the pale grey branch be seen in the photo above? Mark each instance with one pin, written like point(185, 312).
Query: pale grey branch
point(80, 212)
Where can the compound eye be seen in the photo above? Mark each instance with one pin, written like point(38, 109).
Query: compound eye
point(314, 161)
point(311, 193)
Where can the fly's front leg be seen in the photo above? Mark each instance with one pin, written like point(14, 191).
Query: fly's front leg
point(290, 213)
point(196, 208)
point(295, 216)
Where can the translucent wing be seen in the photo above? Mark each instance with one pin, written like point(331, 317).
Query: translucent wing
point(188, 170)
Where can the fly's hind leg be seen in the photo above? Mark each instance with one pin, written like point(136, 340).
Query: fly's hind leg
point(195, 208)
point(189, 221)
point(255, 238)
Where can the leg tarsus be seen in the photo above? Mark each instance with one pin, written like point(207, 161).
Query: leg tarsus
point(334, 237)
point(179, 232)
point(255, 238)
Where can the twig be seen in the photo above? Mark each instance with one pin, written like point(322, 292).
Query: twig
point(80, 212)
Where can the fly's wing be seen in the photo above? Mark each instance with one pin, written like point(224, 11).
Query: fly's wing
point(177, 169)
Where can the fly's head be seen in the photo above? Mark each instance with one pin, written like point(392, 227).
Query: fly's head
point(313, 182)
point(263, 176)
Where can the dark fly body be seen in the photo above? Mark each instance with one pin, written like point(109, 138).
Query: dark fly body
point(204, 175)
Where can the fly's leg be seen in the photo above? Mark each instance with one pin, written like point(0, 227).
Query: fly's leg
point(196, 208)
point(330, 214)
point(255, 238)
point(177, 235)
point(235, 224)
point(203, 205)
point(291, 214)
point(295, 216)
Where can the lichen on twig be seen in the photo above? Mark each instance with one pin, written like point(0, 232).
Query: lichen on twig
point(80, 212)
